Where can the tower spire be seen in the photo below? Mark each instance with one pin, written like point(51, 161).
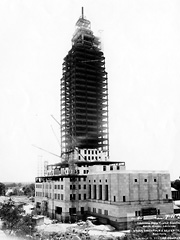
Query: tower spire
point(82, 12)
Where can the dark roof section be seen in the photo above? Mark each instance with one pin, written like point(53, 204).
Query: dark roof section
point(88, 163)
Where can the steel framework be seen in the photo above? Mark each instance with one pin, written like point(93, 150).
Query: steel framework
point(84, 94)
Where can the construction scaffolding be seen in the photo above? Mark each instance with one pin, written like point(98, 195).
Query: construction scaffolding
point(84, 94)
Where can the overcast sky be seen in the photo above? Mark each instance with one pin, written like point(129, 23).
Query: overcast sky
point(141, 43)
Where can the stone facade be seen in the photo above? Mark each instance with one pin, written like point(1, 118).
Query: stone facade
point(107, 191)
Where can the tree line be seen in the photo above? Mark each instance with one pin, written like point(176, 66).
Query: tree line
point(17, 189)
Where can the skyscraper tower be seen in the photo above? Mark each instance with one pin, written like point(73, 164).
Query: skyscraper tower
point(85, 183)
point(84, 94)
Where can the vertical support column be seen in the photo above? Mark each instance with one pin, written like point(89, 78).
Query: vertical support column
point(97, 191)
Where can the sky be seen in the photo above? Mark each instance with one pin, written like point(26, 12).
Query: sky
point(140, 40)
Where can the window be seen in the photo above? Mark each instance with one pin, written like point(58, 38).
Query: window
point(79, 196)
point(166, 196)
point(124, 198)
point(72, 211)
point(118, 167)
point(58, 196)
point(61, 196)
point(82, 210)
point(114, 198)
point(90, 191)
point(155, 180)
point(55, 196)
point(58, 186)
point(74, 187)
point(89, 209)
point(111, 167)
point(94, 210)
point(84, 186)
point(137, 213)
point(72, 196)
point(84, 196)
point(145, 180)
point(70, 186)
point(100, 192)
point(94, 180)
point(94, 188)
point(148, 211)
point(135, 179)
point(79, 186)
point(84, 179)
point(58, 210)
point(61, 186)
point(105, 212)
point(100, 211)
point(104, 168)
point(106, 193)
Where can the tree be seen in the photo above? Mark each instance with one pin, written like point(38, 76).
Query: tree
point(176, 184)
point(29, 190)
point(11, 185)
point(26, 226)
point(2, 189)
point(15, 221)
point(10, 215)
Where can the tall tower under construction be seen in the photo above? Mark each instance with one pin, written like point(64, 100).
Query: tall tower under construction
point(85, 184)
point(84, 96)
